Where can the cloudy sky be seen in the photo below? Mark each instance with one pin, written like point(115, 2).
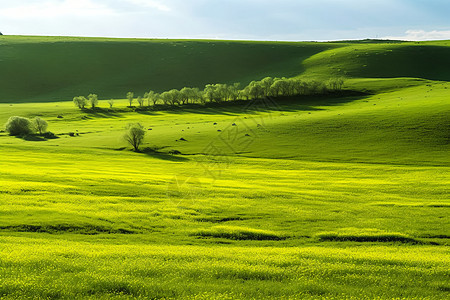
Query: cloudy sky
point(229, 19)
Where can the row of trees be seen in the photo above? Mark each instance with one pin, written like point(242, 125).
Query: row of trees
point(217, 93)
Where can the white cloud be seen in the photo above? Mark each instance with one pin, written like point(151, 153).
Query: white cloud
point(422, 35)
point(54, 9)
point(150, 4)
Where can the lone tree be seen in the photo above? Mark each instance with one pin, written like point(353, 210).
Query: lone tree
point(130, 97)
point(111, 103)
point(40, 125)
point(93, 99)
point(18, 126)
point(135, 135)
point(1, 33)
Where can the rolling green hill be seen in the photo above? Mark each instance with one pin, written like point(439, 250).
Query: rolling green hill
point(59, 68)
point(429, 60)
point(337, 196)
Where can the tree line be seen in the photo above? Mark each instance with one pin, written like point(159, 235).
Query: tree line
point(219, 92)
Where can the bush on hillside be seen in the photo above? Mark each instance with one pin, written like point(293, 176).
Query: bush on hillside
point(50, 135)
point(18, 126)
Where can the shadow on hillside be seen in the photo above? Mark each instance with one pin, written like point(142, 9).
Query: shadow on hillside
point(283, 104)
point(163, 155)
point(99, 112)
point(148, 112)
point(87, 229)
point(268, 104)
point(33, 138)
point(38, 138)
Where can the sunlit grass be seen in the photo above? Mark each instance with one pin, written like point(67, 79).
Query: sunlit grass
point(325, 198)
point(102, 268)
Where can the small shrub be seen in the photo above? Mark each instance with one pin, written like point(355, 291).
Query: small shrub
point(49, 135)
point(18, 126)
point(174, 152)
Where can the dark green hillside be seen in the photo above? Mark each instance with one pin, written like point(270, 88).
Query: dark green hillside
point(58, 68)
point(50, 69)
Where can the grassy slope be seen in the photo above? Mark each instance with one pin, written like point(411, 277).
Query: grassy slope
point(429, 60)
point(346, 167)
point(360, 167)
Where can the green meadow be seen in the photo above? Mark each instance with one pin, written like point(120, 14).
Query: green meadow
point(339, 196)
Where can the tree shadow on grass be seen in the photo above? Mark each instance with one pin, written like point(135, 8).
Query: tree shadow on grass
point(269, 104)
point(99, 112)
point(164, 155)
point(148, 112)
point(32, 138)
point(38, 138)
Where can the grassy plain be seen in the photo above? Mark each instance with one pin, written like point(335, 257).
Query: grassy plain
point(315, 197)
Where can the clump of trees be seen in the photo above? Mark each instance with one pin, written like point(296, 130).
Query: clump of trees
point(20, 126)
point(81, 101)
point(135, 135)
point(17, 126)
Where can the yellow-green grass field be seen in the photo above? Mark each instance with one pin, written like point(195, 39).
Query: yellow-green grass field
point(336, 197)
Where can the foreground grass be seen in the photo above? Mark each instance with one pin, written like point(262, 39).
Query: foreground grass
point(101, 268)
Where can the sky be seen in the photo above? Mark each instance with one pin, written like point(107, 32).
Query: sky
point(276, 20)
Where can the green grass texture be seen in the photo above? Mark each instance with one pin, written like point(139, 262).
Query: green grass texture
point(341, 196)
